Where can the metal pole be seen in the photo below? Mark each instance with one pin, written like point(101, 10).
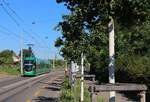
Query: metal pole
point(37, 49)
point(47, 53)
point(53, 64)
point(71, 74)
point(44, 53)
point(21, 50)
point(111, 56)
point(66, 63)
point(82, 78)
point(75, 93)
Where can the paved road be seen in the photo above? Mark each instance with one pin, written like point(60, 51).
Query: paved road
point(10, 80)
point(43, 88)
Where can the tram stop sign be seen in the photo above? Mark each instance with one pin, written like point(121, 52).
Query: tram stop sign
point(74, 67)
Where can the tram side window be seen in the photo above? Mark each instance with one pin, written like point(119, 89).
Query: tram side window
point(45, 65)
point(34, 66)
point(37, 65)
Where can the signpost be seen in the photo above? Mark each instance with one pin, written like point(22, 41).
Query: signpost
point(82, 78)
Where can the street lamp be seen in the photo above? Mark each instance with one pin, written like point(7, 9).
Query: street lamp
point(37, 46)
point(21, 51)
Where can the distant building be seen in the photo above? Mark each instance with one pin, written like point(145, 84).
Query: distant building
point(16, 59)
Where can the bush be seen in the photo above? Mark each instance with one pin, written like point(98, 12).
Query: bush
point(133, 69)
point(8, 70)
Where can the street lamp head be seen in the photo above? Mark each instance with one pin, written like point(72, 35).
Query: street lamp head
point(46, 37)
point(33, 22)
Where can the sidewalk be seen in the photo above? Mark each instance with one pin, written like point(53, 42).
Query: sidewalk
point(51, 92)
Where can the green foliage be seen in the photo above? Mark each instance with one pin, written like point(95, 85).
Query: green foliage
point(27, 53)
point(133, 69)
point(67, 94)
point(6, 57)
point(86, 30)
point(59, 64)
point(100, 99)
point(6, 53)
point(10, 71)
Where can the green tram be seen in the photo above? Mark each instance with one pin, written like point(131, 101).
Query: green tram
point(33, 66)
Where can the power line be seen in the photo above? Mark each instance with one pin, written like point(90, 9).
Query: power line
point(14, 20)
point(13, 17)
point(7, 4)
point(17, 23)
point(10, 32)
point(10, 15)
point(3, 32)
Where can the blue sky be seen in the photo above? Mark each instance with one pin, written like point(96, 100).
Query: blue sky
point(45, 13)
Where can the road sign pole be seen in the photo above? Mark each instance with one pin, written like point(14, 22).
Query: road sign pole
point(75, 93)
point(82, 78)
point(66, 63)
point(53, 64)
point(111, 56)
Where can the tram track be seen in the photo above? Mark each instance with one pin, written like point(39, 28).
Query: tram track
point(12, 81)
point(16, 88)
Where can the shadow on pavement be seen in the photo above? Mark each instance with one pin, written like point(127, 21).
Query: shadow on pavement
point(132, 95)
point(53, 89)
point(55, 85)
point(46, 99)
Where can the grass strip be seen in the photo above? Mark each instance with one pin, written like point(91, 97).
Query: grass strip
point(9, 71)
point(67, 94)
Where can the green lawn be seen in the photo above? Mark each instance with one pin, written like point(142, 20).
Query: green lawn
point(68, 96)
point(100, 99)
point(9, 70)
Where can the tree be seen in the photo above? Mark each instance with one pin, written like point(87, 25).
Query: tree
point(6, 57)
point(27, 53)
point(86, 29)
point(75, 37)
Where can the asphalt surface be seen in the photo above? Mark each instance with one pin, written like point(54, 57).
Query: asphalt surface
point(44, 88)
point(13, 80)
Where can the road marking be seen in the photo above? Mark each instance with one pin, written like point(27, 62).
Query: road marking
point(28, 101)
point(36, 93)
point(43, 86)
point(52, 80)
point(49, 81)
